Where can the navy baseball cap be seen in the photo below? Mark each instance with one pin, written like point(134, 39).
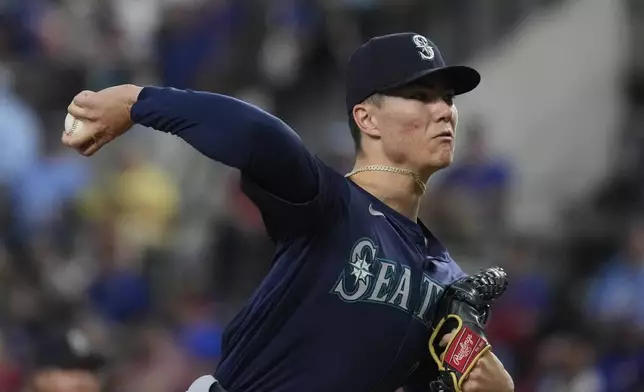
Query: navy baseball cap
point(390, 61)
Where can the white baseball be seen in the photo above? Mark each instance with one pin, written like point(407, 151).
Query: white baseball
point(73, 126)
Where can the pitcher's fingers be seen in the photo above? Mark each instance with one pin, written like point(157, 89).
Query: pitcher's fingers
point(77, 141)
point(92, 148)
point(80, 112)
point(85, 99)
point(446, 338)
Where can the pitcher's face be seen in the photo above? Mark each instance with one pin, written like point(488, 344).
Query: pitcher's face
point(417, 125)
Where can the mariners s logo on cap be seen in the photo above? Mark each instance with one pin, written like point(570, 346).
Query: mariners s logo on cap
point(426, 51)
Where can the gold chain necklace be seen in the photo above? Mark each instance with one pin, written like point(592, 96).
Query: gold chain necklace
point(391, 169)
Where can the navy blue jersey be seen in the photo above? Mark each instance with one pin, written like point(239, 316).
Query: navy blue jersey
point(352, 290)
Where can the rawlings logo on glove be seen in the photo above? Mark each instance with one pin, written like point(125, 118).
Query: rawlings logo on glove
point(462, 314)
point(466, 348)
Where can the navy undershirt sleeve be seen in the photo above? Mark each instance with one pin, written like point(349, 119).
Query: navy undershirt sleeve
point(279, 174)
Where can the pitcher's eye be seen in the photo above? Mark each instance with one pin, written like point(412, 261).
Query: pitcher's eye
point(419, 95)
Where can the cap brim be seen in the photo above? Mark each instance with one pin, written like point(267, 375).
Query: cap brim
point(462, 79)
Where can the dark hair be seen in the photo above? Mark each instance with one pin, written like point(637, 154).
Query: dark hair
point(375, 99)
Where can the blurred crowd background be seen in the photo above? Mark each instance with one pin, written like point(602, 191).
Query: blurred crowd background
point(130, 264)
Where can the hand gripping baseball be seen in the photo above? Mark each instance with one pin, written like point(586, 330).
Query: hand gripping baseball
point(463, 313)
point(104, 116)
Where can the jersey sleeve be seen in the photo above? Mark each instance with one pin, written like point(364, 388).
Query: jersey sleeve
point(295, 192)
point(285, 219)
